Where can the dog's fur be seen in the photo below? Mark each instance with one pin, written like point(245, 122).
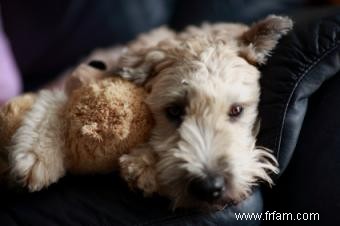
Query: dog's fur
point(203, 72)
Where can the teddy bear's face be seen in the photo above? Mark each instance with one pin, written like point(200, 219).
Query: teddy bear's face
point(106, 117)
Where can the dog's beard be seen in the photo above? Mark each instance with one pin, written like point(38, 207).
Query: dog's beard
point(181, 160)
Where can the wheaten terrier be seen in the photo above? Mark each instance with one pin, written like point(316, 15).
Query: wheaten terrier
point(204, 93)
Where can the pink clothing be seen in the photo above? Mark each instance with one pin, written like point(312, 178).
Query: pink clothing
point(10, 82)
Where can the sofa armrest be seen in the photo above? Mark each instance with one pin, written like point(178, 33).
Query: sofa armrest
point(302, 62)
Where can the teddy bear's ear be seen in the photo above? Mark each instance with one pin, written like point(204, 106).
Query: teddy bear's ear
point(261, 38)
point(141, 67)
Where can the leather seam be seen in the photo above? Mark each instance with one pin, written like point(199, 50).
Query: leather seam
point(278, 139)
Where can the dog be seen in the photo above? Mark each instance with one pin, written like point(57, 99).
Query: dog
point(203, 91)
point(203, 86)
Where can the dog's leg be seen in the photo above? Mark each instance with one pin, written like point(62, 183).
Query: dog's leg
point(11, 116)
point(138, 169)
point(35, 153)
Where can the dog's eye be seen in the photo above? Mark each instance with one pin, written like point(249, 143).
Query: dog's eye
point(175, 112)
point(235, 111)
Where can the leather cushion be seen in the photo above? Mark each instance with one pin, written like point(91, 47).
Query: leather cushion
point(302, 62)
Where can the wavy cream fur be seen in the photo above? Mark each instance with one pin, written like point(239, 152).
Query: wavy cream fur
point(36, 154)
point(208, 68)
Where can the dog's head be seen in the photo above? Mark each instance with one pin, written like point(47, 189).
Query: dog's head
point(204, 94)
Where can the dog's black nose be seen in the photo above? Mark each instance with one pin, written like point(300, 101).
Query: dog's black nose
point(209, 189)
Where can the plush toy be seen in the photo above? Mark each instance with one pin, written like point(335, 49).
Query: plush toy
point(83, 128)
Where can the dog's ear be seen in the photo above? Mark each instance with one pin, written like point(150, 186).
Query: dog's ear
point(257, 42)
point(141, 67)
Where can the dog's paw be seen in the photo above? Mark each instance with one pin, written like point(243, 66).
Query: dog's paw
point(31, 172)
point(139, 173)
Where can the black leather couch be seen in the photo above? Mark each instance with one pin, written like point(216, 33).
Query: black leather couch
point(299, 110)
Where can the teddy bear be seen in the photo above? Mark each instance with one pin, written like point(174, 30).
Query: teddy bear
point(83, 128)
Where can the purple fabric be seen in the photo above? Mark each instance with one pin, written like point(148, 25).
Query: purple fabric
point(10, 82)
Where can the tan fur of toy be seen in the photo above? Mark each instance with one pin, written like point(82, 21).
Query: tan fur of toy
point(105, 119)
